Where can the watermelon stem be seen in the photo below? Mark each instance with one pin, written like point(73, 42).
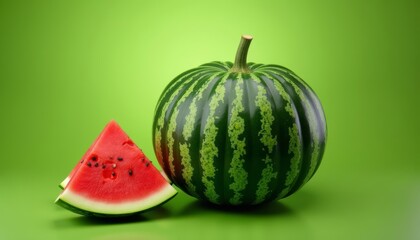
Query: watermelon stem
point(240, 65)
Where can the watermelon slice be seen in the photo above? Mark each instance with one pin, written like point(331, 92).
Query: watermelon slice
point(114, 178)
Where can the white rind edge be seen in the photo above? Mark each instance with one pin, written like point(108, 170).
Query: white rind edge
point(64, 183)
point(94, 206)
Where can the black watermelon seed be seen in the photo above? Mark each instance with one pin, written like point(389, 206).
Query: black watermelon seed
point(119, 158)
point(96, 164)
point(94, 158)
point(89, 164)
point(103, 166)
point(130, 172)
point(147, 164)
point(113, 174)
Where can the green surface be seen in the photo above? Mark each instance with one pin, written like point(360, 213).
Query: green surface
point(67, 68)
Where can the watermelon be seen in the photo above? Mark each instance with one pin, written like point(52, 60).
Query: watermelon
point(239, 133)
point(114, 178)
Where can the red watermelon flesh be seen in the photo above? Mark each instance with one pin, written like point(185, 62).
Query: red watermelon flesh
point(64, 183)
point(114, 178)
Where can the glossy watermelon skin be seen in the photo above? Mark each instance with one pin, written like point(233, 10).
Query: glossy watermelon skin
point(239, 138)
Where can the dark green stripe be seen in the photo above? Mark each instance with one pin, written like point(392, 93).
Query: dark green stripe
point(314, 100)
point(282, 121)
point(254, 66)
point(185, 129)
point(254, 150)
point(315, 104)
point(290, 141)
point(196, 135)
point(268, 138)
point(174, 84)
point(162, 117)
point(222, 162)
point(306, 128)
point(209, 151)
point(315, 125)
point(220, 66)
point(168, 131)
point(171, 134)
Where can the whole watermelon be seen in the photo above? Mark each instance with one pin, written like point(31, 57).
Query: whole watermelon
point(241, 133)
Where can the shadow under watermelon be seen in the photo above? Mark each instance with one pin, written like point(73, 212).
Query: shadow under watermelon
point(157, 213)
point(198, 207)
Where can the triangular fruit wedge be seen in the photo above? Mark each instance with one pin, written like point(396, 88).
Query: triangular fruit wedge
point(114, 178)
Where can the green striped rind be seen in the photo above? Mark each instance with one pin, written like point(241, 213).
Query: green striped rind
point(219, 66)
point(315, 123)
point(190, 118)
point(295, 148)
point(320, 116)
point(267, 139)
point(159, 122)
point(163, 108)
point(236, 128)
point(209, 150)
point(313, 127)
point(172, 125)
point(295, 142)
point(173, 85)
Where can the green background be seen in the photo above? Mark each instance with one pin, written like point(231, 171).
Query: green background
point(68, 67)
